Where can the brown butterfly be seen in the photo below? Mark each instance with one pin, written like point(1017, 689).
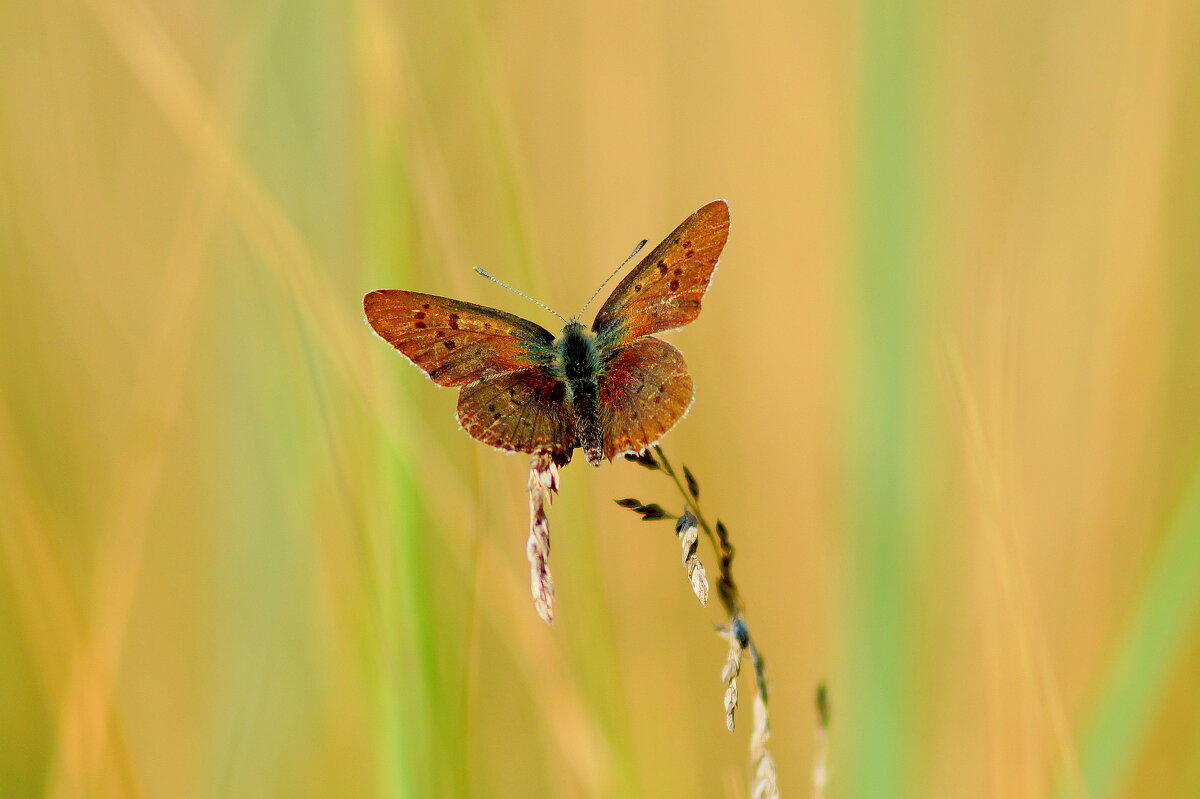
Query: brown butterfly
point(609, 390)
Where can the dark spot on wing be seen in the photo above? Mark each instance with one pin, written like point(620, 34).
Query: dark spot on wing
point(678, 271)
point(448, 344)
point(420, 325)
point(454, 321)
point(419, 314)
point(425, 305)
point(637, 286)
point(690, 253)
point(674, 285)
point(662, 267)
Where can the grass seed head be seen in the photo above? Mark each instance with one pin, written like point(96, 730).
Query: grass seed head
point(543, 485)
point(766, 783)
point(688, 530)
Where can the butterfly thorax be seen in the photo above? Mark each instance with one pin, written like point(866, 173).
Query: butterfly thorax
point(577, 364)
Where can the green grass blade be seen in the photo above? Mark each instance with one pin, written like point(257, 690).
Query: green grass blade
point(889, 184)
point(1153, 643)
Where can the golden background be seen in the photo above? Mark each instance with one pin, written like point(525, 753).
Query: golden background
point(947, 403)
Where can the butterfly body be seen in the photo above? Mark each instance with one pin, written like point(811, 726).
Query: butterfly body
point(578, 364)
point(610, 389)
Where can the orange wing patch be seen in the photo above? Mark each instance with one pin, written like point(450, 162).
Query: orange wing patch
point(644, 390)
point(664, 291)
point(456, 343)
point(521, 412)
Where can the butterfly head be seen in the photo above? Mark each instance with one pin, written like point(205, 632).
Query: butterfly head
point(575, 353)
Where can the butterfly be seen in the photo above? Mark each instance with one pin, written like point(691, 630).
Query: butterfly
point(609, 390)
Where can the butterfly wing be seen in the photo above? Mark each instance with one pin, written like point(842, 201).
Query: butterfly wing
point(664, 290)
point(510, 399)
point(523, 411)
point(455, 342)
point(644, 390)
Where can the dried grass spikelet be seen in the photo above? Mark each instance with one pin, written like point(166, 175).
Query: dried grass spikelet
point(688, 530)
point(820, 776)
point(766, 783)
point(543, 485)
point(733, 667)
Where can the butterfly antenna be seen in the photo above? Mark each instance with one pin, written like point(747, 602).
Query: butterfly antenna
point(514, 291)
point(596, 293)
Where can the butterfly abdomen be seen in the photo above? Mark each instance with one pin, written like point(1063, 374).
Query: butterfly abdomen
point(578, 366)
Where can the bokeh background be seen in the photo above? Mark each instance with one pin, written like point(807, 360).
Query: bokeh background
point(947, 380)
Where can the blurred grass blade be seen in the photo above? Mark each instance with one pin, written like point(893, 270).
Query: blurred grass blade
point(890, 187)
point(1153, 644)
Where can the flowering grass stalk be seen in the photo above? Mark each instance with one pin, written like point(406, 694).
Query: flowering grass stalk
point(764, 783)
point(543, 485)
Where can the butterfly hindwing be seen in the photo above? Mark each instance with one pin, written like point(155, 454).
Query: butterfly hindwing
point(521, 411)
point(664, 290)
point(456, 343)
point(644, 390)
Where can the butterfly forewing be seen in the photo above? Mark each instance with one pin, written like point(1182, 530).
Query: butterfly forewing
point(456, 343)
point(664, 290)
point(644, 390)
point(521, 411)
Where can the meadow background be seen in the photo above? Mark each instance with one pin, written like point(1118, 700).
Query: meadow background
point(947, 382)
